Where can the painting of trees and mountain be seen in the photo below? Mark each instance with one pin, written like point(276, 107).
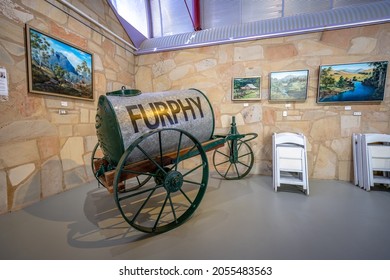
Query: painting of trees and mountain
point(352, 82)
point(288, 85)
point(58, 68)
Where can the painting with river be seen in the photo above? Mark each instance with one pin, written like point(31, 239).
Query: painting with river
point(356, 82)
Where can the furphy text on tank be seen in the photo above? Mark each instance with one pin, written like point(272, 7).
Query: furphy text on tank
point(165, 113)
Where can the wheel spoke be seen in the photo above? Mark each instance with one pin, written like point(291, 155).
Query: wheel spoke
point(222, 162)
point(193, 169)
point(159, 215)
point(189, 151)
point(143, 205)
point(244, 155)
point(243, 164)
point(138, 193)
point(172, 207)
point(178, 152)
point(183, 156)
point(230, 165)
point(161, 150)
point(192, 182)
point(189, 200)
point(152, 160)
point(219, 152)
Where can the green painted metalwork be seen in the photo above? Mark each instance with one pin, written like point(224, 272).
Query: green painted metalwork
point(124, 92)
point(97, 171)
point(109, 135)
point(178, 187)
point(235, 160)
point(172, 156)
point(100, 166)
point(108, 132)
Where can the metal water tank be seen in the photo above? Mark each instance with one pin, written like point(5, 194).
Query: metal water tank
point(125, 115)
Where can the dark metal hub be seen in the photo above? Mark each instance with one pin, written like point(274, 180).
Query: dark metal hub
point(160, 176)
point(173, 181)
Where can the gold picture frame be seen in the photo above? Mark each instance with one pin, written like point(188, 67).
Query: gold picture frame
point(58, 68)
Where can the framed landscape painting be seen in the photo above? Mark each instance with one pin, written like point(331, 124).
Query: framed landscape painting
point(244, 89)
point(288, 85)
point(354, 82)
point(58, 68)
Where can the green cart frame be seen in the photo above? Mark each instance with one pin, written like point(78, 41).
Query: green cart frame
point(161, 192)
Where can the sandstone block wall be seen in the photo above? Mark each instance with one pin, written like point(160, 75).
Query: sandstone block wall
point(42, 152)
point(328, 127)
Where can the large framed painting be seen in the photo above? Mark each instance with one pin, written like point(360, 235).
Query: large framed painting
point(244, 89)
point(58, 68)
point(353, 82)
point(288, 85)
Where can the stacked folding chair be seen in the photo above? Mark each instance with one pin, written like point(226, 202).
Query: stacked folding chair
point(357, 159)
point(290, 160)
point(371, 154)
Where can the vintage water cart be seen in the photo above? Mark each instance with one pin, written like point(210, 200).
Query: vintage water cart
point(151, 154)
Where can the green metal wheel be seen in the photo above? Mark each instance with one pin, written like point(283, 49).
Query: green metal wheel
point(180, 177)
point(98, 164)
point(234, 160)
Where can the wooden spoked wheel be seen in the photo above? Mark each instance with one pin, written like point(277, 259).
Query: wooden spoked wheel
point(178, 164)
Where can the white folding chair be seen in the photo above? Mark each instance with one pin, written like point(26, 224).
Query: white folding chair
point(375, 159)
point(357, 159)
point(290, 160)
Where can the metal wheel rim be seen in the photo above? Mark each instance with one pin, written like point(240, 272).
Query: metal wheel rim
point(141, 181)
point(232, 166)
point(93, 158)
point(155, 208)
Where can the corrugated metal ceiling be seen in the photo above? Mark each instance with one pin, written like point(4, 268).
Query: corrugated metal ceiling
point(170, 22)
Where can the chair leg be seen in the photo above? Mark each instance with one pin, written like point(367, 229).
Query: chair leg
point(275, 186)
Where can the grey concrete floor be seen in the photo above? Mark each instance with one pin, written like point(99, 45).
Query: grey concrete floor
point(242, 219)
